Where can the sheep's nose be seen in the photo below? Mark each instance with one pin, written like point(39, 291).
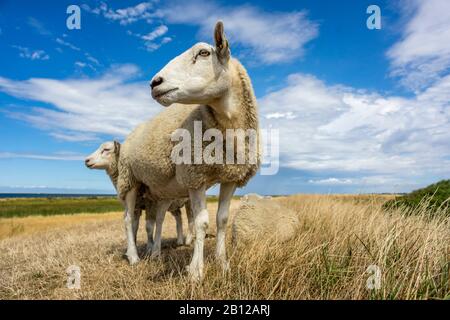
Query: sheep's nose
point(156, 82)
point(86, 162)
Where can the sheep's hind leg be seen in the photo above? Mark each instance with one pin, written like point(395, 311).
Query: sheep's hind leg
point(161, 208)
point(137, 216)
point(130, 201)
point(190, 218)
point(226, 194)
point(179, 222)
point(150, 219)
point(198, 201)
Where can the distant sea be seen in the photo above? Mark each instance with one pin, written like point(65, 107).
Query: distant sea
point(51, 195)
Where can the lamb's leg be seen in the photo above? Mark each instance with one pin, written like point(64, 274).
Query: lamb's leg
point(150, 219)
point(190, 218)
point(130, 201)
point(137, 217)
point(226, 194)
point(198, 201)
point(161, 208)
point(179, 221)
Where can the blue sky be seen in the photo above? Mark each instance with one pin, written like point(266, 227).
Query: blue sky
point(357, 110)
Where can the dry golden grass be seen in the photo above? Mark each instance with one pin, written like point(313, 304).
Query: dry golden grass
point(10, 227)
point(338, 238)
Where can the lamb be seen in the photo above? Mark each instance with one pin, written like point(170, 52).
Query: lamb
point(261, 218)
point(202, 85)
point(106, 157)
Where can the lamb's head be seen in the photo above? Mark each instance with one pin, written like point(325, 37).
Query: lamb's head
point(105, 157)
point(200, 75)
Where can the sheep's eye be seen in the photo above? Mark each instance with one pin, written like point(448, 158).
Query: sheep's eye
point(204, 53)
point(106, 150)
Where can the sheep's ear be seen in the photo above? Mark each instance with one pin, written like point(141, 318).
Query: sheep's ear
point(116, 147)
point(222, 47)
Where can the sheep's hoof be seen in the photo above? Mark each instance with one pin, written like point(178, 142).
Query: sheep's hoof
point(180, 242)
point(133, 259)
point(148, 251)
point(156, 254)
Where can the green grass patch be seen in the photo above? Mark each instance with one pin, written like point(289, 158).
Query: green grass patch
point(22, 207)
point(54, 206)
point(435, 198)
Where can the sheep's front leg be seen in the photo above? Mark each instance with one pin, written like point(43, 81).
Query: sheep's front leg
point(161, 208)
point(150, 219)
point(130, 201)
point(179, 222)
point(226, 194)
point(190, 218)
point(201, 220)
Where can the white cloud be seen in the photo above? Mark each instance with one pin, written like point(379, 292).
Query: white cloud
point(279, 115)
point(152, 46)
point(74, 136)
point(124, 16)
point(67, 44)
point(57, 156)
point(32, 54)
point(26, 187)
point(353, 132)
point(39, 54)
point(150, 39)
point(90, 62)
point(83, 65)
point(86, 108)
point(38, 26)
point(381, 183)
point(272, 36)
point(331, 181)
point(92, 59)
point(423, 53)
point(158, 32)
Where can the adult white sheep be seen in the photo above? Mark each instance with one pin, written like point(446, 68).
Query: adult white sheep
point(106, 157)
point(202, 84)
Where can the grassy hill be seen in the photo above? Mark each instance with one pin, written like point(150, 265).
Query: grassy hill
point(435, 197)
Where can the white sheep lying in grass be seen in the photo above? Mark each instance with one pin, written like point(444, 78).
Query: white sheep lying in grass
point(106, 157)
point(260, 218)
